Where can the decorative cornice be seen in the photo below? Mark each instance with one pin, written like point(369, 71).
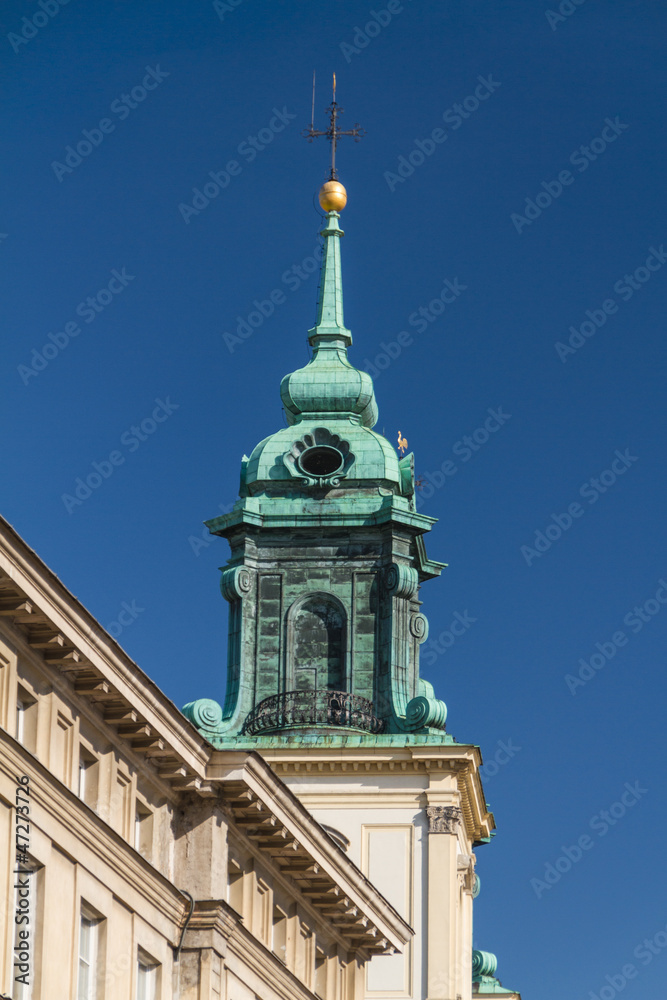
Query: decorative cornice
point(39, 610)
point(91, 833)
point(386, 755)
point(313, 900)
point(211, 925)
point(285, 829)
point(255, 958)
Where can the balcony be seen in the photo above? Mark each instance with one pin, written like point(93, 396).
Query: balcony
point(298, 709)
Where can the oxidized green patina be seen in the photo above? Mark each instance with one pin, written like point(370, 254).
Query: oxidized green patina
point(484, 965)
point(327, 557)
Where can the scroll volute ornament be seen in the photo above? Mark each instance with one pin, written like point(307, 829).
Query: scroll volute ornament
point(419, 627)
point(235, 583)
point(204, 713)
point(425, 710)
point(401, 581)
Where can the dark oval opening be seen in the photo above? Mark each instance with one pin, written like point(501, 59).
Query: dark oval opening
point(321, 460)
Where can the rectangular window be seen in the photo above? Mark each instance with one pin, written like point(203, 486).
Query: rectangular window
point(262, 912)
point(143, 830)
point(279, 946)
point(121, 804)
point(88, 777)
point(305, 958)
point(89, 946)
point(26, 720)
point(63, 748)
point(320, 972)
point(235, 886)
point(148, 971)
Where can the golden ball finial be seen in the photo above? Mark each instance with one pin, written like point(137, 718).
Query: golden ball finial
point(333, 196)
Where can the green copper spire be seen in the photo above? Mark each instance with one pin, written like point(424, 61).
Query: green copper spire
point(329, 387)
point(330, 323)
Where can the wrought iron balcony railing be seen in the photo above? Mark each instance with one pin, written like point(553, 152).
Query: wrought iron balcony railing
point(312, 708)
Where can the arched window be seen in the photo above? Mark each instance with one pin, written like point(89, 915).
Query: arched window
point(316, 644)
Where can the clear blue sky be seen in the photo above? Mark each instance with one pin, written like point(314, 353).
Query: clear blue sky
point(577, 96)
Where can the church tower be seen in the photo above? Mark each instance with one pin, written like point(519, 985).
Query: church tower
point(327, 555)
point(324, 584)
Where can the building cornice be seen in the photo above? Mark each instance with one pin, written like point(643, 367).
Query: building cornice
point(70, 640)
point(273, 817)
point(428, 761)
point(253, 955)
point(90, 833)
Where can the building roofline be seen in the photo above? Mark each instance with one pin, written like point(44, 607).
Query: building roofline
point(267, 802)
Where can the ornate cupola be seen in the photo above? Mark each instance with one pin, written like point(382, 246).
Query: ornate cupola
point(327, 557)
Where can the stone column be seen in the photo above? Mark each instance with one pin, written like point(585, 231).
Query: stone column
point(200, 973)
point(443, 890)
point(199, 829)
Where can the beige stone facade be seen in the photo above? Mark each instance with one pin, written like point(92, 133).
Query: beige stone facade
point(151, 866)
point(412, 816)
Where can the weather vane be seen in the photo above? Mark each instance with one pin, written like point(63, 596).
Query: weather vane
point(333, 133)
point(402, 443)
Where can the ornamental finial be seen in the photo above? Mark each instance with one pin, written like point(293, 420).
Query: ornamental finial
point(332, 195)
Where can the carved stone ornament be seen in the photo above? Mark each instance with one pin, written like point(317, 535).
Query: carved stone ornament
point(419, 627)
point(422, 711)
point(235, 582)
point(465, 869)
point(319, 458)
point(204, 713)
point(401, 581)
point(443, 819)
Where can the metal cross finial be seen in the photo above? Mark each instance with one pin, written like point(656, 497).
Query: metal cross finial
point(333, 133)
